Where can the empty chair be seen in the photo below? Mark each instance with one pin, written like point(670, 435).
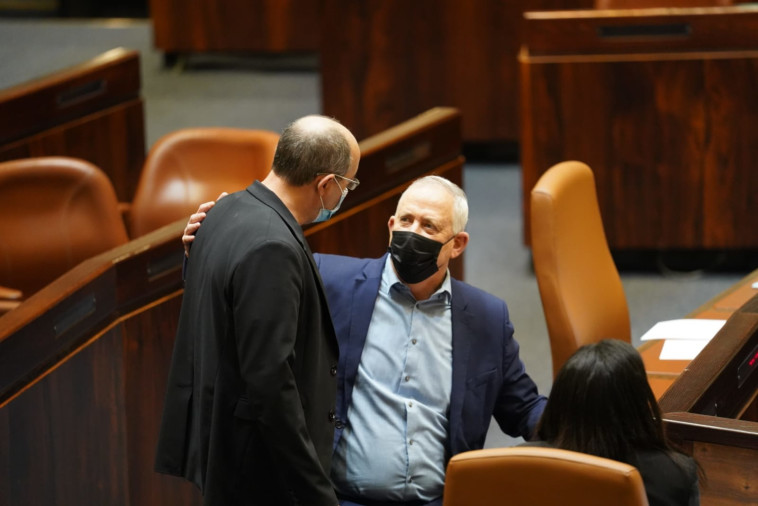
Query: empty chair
point(581, 291)
point(536, 476)
point(194, 165)
point(56, 212)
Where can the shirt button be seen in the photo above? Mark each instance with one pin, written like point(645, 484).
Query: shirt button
point(410, 442)
point(333, 371)
point(414, 341)
point(332, 416)
point(407, 378)
point(410, 404)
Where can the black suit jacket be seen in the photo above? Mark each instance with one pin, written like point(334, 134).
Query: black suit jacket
point(250, 399)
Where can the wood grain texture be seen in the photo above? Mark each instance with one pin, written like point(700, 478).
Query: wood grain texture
point(64, 440)
point(383, 61)
point(235, 25)
point(713, 413)
point(91, 111)
point(112, 139)
point(148, 346)
point(667, 133)
point(731, 474)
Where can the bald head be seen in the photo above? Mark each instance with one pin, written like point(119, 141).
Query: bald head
point(312, 145)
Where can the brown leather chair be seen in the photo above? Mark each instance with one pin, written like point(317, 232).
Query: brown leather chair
point(644, 4)
point(536, 476)
point(581, 291)
point(194, 165)
point(57, 212)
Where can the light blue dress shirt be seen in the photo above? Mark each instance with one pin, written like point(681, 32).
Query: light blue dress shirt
point(393, 446)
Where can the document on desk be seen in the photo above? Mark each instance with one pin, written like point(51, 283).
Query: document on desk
point(685, 338)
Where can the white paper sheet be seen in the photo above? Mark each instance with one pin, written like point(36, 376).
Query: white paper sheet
point(684, 338)
point(689, 328)
point(682, 349)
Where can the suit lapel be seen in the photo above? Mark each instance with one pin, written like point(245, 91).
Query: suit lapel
point(366, 288)
point(461, 321)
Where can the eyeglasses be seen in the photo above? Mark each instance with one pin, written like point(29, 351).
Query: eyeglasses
point(352, 183)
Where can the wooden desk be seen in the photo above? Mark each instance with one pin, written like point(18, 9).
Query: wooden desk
point(269, 26)
point(92, 111)
point(661, 104)
point(84, 361)
point(383, 61)
point(706, 407)
point(663, 373)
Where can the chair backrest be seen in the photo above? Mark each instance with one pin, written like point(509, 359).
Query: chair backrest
point(56, 212)
point(536, 476)
point(581, 291)
point(194, 165)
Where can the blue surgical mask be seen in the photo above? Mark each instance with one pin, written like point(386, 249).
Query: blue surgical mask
point(324, 214)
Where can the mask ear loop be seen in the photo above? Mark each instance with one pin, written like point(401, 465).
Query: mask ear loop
point(319, 193)
point(453, 237)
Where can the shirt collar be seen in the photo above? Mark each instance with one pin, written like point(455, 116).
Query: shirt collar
point(390, 281)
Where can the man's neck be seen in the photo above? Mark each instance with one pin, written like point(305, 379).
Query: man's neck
point(293, 197)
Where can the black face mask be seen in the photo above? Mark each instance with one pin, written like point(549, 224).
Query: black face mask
point(414, 256)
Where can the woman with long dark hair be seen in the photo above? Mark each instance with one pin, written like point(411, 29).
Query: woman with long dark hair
point(601, 404)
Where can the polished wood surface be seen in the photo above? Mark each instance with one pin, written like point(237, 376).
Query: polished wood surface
point(660, 103)
point(271, 26)
point(640, 4)
point(84, 361)
point(663, 373)
point(383, 61)
point(704, 408)
point(92, 111)
point(712, 409)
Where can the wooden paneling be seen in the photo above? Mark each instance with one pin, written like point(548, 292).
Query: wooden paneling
point(84, 361)
point(383, 61)
point(235, 25)
point(42, 451)
point(709, 409)
point(148, 345)
point(731, 474)
point(661, 105)
point(91, 111)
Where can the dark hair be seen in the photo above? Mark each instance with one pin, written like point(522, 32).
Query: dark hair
point(601, 404)
point(303, 152)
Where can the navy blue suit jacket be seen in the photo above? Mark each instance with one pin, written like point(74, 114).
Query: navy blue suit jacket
point(488, 376)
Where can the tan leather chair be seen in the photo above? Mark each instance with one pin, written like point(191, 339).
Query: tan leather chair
point(581, 291)
point(56, 212)
point(194, 165)
point(537, 476)
point(644, 4)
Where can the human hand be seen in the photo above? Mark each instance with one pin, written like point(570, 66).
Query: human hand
point(194, 222)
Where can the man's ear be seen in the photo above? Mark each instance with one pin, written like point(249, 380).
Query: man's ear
point(390, 224)
point(459, 244)
point(322, 183)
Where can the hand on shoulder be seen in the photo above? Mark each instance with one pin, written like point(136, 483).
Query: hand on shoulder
point(195, 220)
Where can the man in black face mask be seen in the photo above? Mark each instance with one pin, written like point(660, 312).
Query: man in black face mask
point(425, 360)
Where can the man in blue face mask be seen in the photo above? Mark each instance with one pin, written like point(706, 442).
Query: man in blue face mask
point(249, 411)
point(425, 360)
